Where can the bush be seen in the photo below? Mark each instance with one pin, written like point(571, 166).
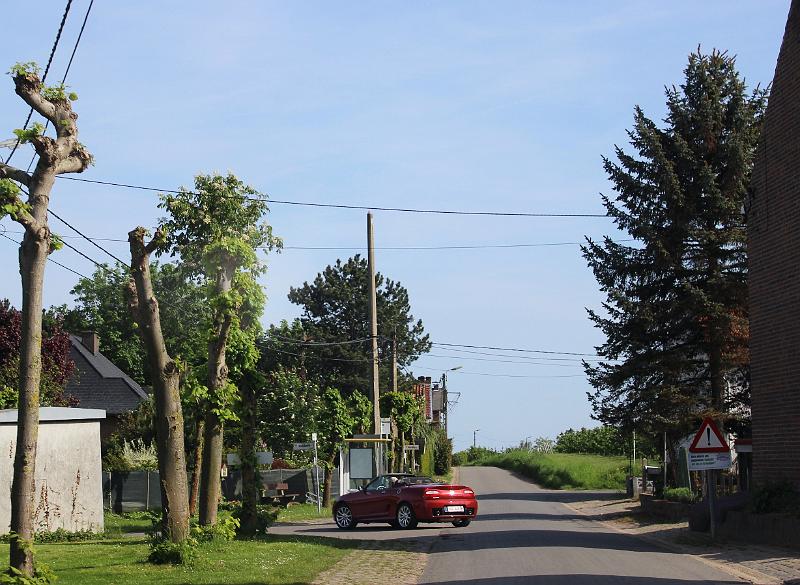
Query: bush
point(681, 494)
point(42, 576)
point(60, 535)
point(224, 529)
point(265, 517)
point(166, 552)
point(597, 441)
point(779, 496)
point(443, 454)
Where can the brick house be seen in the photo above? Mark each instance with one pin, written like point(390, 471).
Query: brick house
point(774, 272)
point(97, 383)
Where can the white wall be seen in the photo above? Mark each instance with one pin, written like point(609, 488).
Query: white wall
point(69, 485)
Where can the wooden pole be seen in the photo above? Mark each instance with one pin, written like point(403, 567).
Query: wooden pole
point(373, 318)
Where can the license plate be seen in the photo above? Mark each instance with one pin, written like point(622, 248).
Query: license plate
point(454, 508)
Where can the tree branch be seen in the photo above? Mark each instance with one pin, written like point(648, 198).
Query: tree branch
point(15, 174)
point(155, 243)
point(28, 87)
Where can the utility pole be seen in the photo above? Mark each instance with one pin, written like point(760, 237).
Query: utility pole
point(373, 318)
point(444, 401)
point(475, 438)
point(394, 362)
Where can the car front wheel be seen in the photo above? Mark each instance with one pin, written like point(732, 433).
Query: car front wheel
point(461, 523)
point(344, 517)
point(405, 517)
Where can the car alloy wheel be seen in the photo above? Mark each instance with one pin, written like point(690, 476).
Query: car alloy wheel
point(405, 517)
point(461, 523)
point(344, 517)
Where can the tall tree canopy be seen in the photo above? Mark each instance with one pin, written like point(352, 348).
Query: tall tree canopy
point(675, 315)
point(335, 309)
point(101, 305)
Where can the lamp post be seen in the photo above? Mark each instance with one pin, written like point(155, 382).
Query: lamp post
point(444, 395)
point(475, 438)
point(527, 445)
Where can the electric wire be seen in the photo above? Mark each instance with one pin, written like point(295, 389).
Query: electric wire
point(357, 207)
point(46, 71)
point(85, 237)
point(56, 262)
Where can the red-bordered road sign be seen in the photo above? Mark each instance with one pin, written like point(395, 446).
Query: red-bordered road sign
point(708, 439)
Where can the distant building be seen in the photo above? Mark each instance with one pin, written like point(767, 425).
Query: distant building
point(422, 389)
point(774, 276)
point(99, 384)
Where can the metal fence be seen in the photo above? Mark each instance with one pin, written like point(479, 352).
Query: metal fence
point(131, 491)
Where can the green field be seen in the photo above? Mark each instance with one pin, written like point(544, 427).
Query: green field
point(300, 512)
point(271, 560)
point(563, 470)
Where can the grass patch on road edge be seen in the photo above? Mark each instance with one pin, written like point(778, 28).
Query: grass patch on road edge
point(563, 470)
point(272, 560)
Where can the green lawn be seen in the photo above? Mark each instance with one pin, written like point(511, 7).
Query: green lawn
point(300, 512)
point(563, 470)
point(271, 560)
point(118, 524)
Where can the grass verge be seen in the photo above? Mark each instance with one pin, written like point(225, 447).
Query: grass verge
point(563, 470)
point(301, 512)
point(272, 560)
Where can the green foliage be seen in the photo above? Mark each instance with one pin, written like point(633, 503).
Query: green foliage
point(472, 455)
point(59, 535)
point(56, 243)
point(426, 462)
point(224, 529)
point(681, 494)
point(10, 203)
point(777, 496)
point(334, 307)
point(24, 69)
point(404, 409)
point(25, 135)
point(603, 440)
point(442, 454)
point(562, 470)
point(54, 93)
point(265, 517)
point(42, 576)
point(678, 295)
point(166, 552)
point(288, 408)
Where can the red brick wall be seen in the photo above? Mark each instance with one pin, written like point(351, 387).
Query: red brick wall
point(774, 272)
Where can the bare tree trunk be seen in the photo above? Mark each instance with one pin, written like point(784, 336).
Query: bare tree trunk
point(210, 487)
point(326, 490)
point(199, 436)
point(250, 475)
point(60, 155)
point(166, 385)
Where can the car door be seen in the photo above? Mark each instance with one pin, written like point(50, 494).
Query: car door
point(373, 503)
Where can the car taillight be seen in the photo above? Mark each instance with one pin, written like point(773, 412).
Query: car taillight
point(432, 494)
point(469, 493)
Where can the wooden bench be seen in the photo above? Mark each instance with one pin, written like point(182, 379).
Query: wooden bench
point(276, 493)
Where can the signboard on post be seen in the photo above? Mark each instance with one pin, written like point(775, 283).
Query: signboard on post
point(386, 426)
point(709, 449)
point(411, 447)
point(302, 446)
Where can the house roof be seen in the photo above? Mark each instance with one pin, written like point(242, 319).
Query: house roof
point(98, 383)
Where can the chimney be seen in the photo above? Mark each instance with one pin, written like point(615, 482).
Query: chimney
point(91, 341)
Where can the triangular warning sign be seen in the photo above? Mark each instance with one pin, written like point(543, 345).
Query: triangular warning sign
point(708, 439)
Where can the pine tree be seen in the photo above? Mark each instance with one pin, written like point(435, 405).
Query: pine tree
point(675, 315)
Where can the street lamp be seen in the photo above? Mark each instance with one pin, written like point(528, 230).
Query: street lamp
point(475, 438)
point(527, 445)
point(444, 395)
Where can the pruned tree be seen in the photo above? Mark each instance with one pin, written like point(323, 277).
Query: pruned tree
point(57, 156)
point(216, 229)
point(405, 410)
point(165, 377)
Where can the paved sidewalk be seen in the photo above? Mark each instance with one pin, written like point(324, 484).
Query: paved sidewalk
point(387, 561)
point(754, 563)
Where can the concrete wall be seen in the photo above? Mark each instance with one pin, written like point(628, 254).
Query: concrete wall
point(69, 488)
point(774, 278)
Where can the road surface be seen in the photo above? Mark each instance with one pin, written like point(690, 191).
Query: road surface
point(524, 534)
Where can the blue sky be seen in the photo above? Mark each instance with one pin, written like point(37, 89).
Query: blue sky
point(504, 106)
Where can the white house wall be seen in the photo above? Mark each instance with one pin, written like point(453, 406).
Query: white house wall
point(69, 485)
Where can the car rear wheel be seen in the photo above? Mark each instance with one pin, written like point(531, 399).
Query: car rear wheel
point(461, 523)
point(405, 517)
point(344, 517)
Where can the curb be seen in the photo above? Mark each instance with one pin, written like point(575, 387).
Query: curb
point(746, 574)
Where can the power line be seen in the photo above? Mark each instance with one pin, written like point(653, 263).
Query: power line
point(506, 355)
point(358, 207)
point(46, 71)
point(85, 237)
point(57, 263)
point(317, 343)
point(516, 349)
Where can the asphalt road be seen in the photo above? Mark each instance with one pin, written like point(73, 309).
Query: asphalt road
point(524, 534)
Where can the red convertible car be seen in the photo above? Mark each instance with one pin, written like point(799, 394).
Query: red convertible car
point(403, 500)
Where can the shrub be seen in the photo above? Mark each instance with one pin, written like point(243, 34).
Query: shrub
point(681, 494)
point(59, 535)
point(597, 441)
point(779, 496)
point(224, 529)
point(443, 454)
point(166, 552)
point(265, 517)
point(42, 576)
